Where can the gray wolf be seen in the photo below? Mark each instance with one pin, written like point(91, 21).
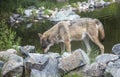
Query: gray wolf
point(67, 31)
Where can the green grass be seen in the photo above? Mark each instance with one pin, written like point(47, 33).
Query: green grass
point(94, 53)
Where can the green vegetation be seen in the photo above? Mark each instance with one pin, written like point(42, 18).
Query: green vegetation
point(7, 37)
point(20, 10)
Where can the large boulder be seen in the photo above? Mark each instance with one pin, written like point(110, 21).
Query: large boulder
point(43, 65)
point(5, 55)
point(17, 72)
point(12, 63)
point(95, 69)
point(77, 59)
point(114, 68)
point(104, 64)
point(105, 58)
point(116, 49)
point(25, 50)
point(111, 63)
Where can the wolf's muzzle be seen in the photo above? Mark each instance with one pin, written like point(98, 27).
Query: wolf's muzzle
point(43, 47)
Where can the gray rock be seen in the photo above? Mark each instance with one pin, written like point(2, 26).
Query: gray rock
point(105, 58)
point(11, 51)
point(29, 25)
point(83, 6)
point(117, 73)
point(12, 63)
point(15, 16)
point(20, 19)
point(12, 20)
point(107, 3)
point(114, 68)
point(105, 64)
point(17, 72)
point(47, 62)
point(62, 15)
point(15, 19)
point(25, 50)
point(116, 49)
point(29, 48)
point(95, 69)
point(39, 17)
point(1, 64)
point(28, 12)
point(5, 55)
point(37, 61)
point(36, 73)
point(75, 60)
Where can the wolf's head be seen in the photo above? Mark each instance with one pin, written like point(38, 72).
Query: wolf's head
point(44, 41)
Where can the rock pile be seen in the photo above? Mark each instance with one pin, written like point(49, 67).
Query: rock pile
point(107, 65)
point(56, 65)
point(40, 65)
point(33, 14)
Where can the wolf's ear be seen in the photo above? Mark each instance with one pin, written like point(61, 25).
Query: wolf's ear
point(39, 34)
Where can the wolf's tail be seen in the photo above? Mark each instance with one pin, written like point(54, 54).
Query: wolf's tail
point(100, 29)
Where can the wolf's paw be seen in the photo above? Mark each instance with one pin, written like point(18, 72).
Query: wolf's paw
point(45, 52)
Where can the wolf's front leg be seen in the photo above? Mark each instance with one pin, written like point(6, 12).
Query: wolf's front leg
point(68, 46)
point(62, 45)
point(48, 47)
point(46, 50)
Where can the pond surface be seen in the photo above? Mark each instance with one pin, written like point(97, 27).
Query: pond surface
point(112, 31)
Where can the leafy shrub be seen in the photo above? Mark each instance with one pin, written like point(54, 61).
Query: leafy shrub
point(7, 36)
point(20, 10)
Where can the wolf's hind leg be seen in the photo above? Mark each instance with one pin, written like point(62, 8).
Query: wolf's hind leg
point(86, 41)
point(97, 42)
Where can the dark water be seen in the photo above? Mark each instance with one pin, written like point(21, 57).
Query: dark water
point(111, 26)
point(112, 31)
